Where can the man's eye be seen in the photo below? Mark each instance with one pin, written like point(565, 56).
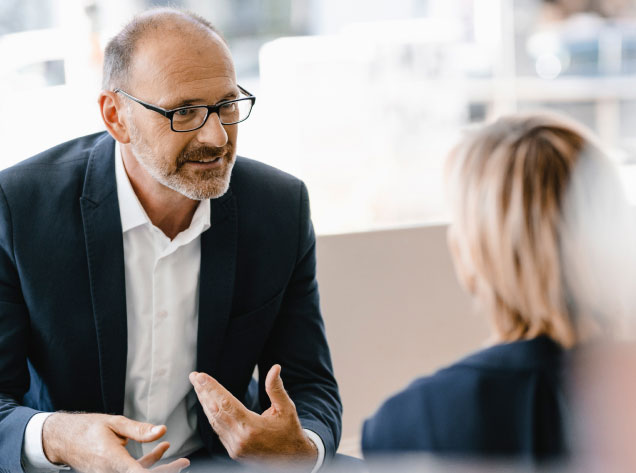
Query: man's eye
point(184, 112)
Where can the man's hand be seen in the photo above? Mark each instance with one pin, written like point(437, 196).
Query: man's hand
point(96, 443)
point(275, 436)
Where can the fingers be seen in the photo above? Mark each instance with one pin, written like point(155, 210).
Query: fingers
point(173, 467)
point(139, 431)
point(276, 391)
point(150, 459)
point(120, 460)
point(153, 457)
point(218, 403)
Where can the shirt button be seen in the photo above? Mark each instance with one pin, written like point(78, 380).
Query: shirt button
point(161, 372)
point(162, 314)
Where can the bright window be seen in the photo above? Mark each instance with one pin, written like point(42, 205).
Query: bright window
point(361, 99)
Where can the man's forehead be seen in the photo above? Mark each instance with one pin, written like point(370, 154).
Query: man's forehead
point(169, 45)
point(179, 90)
point(184, 66)
point(185, 95)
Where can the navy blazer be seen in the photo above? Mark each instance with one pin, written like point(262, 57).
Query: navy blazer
point(63, 335)
point(505, 401)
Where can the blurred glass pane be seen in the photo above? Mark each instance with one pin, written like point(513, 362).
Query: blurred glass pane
point(22, 15)
point(378, 91)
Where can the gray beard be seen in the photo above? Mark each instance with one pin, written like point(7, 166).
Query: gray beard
point(212, 187)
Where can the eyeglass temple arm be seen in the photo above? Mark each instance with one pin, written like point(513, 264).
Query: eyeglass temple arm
point(245, 91)
point(162, 111)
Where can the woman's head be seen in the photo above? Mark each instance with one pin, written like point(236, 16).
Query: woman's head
point(509, 185)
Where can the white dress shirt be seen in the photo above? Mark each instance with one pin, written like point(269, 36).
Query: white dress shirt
point(162, 302)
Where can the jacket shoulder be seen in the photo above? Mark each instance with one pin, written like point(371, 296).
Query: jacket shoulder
point(50, 178)
point(403, 421)
point(63, 158)
point(474, 404)
point(260, 176)
point(265, 193)
point(540, 353)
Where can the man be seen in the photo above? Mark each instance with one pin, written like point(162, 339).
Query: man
point(140, 263)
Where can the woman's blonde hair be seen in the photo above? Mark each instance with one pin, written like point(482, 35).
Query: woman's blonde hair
point(508, 183)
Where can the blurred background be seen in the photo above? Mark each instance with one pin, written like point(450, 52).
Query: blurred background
point(361, 99)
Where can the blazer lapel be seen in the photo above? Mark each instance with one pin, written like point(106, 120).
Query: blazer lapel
point(216, 281)
point(105, 254)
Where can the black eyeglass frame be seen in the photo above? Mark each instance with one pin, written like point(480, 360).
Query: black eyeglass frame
point(211, 109)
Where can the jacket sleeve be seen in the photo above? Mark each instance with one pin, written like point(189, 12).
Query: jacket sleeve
point(14, 340)
point(298, 343)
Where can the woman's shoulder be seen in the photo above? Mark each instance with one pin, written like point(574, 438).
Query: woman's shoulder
point(540, 353)
point(488, 380)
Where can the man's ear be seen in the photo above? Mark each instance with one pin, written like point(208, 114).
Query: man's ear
point(112, 111)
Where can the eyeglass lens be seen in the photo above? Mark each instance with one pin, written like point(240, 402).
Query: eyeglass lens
point(192, 118)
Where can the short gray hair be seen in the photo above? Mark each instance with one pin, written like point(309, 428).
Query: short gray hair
point(120, 49)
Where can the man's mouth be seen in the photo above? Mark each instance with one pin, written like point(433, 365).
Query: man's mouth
point(206, 160)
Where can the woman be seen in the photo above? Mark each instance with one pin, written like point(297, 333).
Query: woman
point(517, 245)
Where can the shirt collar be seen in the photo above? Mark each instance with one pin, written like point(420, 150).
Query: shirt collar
point(132, 212)
point(130, 209)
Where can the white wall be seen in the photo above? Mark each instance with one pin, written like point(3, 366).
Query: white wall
point(393, 311)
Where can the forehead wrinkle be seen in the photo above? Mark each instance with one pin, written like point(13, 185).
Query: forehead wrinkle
point(186, 84)
point(184, 71)
point(166, 56)
point(170, 64)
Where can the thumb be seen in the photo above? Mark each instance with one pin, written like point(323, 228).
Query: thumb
point(138, 431)
point(275, 389)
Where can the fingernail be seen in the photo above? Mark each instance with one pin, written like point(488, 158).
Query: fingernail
point(156, 429)
point(202, 379)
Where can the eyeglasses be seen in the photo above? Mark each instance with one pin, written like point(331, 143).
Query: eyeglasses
point(193, 117)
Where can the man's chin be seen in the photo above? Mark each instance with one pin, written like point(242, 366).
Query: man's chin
point(201, 185)
point(218, 191)
point(211, 188)
point(205, 192)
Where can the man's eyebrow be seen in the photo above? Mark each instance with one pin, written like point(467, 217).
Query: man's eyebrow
point(199, 101)
point(187, 102)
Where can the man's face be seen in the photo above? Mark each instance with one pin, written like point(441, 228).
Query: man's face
point(172, 70)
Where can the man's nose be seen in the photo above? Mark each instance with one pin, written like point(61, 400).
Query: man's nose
point(213, 133)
